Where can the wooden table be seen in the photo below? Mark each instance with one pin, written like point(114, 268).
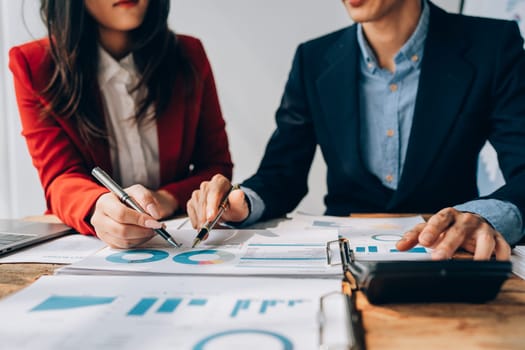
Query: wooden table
point(495, 325)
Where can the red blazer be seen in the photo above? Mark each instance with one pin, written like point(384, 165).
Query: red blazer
point(193, 145)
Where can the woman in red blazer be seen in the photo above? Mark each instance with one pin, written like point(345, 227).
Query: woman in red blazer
point(113, 87)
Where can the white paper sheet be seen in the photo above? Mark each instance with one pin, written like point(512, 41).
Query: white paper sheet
point(120, 312)
point(371, 239)
point(518, 261)
point(63, 250)
point(225, 252)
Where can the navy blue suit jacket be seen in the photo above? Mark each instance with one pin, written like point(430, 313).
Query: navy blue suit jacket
point(471, 89)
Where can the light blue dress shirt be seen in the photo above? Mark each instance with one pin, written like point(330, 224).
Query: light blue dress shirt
point(387, 101)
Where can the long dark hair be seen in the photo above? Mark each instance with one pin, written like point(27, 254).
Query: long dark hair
point(72, 89)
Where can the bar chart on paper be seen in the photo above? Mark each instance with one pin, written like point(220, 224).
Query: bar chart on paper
point(193, 313)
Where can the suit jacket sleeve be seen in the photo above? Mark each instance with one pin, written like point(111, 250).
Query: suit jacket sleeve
point(281, 180)
point(508, 118)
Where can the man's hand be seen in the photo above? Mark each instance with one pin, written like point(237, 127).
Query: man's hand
point(451, 229)
point(204, 203)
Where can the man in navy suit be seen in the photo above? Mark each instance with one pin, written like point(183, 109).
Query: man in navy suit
point(400, 104)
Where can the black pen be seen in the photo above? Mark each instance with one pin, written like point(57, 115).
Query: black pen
point(209, 225)
point(125, 198)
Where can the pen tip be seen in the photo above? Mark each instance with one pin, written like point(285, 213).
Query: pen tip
point(173, 243)
point(196, 241)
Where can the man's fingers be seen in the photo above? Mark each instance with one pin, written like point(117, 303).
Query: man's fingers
point(502, 248)
point(450, 242)
point(485, 244)
point(410, 238)
point(437, 224)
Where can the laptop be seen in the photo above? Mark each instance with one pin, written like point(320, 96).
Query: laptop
point(16, 233)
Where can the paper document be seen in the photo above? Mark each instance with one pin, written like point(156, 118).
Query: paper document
point(371, 239)
point(518, 261)
point(196, 313)
point(374, 239)
point(225, 252)
point(64, 250)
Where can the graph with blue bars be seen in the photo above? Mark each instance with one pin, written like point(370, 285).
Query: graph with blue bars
point(64, 302)
point(154, 305)
point(167, 306)
point(262, 306)
point(374, 249)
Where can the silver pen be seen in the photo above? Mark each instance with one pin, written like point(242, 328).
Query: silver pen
point(125, 198)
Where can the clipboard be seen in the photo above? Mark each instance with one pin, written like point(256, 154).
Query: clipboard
point(463, 281)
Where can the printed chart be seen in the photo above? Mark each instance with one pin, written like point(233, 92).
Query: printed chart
point(259, 253)
point(146, 312)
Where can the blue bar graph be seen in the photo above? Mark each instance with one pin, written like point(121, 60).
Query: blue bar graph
point(370, 248)
point(294, 302)
point(169, 305)
point(197, 302)
point(267, 304)
point(262, 307)
point(240, 305)
point(62, 302)
point(413, 250)
point(142, 307)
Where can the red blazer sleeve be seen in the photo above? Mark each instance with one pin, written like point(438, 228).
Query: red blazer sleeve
point(69, 189)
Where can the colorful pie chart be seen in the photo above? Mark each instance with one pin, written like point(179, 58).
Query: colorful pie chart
point(203, 257)
point(137, 256)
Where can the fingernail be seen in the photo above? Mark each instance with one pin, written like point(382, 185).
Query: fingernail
point(209, 214)
point(426, 238)
point(153, 224)
point(152, 210)
point(439, 255)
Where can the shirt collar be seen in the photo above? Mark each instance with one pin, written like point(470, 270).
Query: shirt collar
point(109, 68)
point(412, 50)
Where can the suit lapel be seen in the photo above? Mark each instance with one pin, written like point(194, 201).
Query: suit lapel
point(444, 82)
point(338, 89)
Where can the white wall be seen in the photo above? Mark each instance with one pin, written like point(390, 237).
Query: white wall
point(20, 190)
point(250, 44)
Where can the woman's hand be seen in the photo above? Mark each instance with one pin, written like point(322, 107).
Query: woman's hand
point(122, 227)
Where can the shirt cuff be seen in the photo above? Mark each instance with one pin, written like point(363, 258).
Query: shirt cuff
point(504, 216)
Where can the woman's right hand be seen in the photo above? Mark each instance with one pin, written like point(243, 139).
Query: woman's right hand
point(204, 203)
point(122, 227)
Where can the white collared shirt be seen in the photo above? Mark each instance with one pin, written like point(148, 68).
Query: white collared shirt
point(134, 146)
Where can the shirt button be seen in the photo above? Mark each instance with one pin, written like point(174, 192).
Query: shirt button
point(390, 133)
point(414, 58)
point(370, 65)
point(389, 178)
point(393, 87)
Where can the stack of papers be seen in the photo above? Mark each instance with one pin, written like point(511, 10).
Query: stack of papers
point(518, 261)
point(371, 239)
